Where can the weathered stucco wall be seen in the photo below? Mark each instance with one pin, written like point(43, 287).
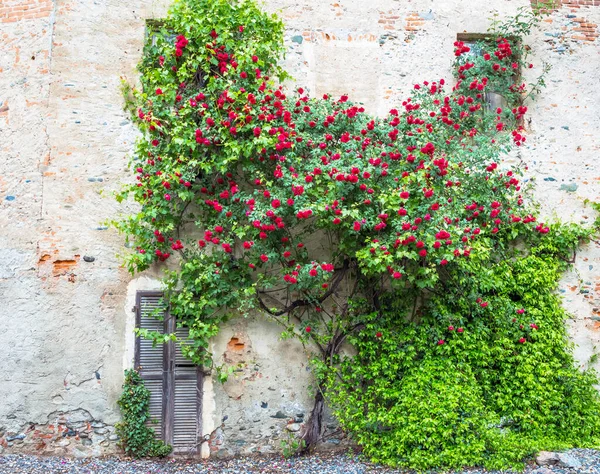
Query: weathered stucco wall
point(65, 314)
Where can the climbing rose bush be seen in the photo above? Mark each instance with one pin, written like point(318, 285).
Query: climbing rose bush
point(258, 170)
point(261, 198)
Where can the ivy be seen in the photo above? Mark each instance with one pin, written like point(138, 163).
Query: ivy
point(484, 381)
point(136, 438)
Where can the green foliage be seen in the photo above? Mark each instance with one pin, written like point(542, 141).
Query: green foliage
point(485, 377)
point(291, 445)
point(136, 438)
point(382, 232)
point(596, 207)
point(190, 70)
point(273, 200)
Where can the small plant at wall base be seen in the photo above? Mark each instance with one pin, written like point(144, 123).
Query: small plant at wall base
point(345, 228)
point(136, 438)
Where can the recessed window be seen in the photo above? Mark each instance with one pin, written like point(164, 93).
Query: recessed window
point(501, 69)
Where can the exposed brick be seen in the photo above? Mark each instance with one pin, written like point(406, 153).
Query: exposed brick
point(17, 10)
point(414, 22)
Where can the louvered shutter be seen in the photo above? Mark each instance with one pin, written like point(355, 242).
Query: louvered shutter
point(187, 401)
point(175, 383)
point(151, 360)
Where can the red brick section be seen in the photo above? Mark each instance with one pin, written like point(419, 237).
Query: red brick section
point(414, 22)
point(388, 20)
point(581, 3)
point(391, 21)
point(17, 10)
point(585, 31)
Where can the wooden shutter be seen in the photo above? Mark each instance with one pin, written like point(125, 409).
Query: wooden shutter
point(188, 401)
point(151, 360)
point(175, 383)
point(184, 397)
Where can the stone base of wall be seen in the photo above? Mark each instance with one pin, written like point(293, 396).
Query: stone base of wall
point(281, 433)
point(75, 433)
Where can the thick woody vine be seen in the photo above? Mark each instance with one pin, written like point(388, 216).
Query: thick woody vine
point(340, 226)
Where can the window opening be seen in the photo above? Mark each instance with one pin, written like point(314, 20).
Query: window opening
point(481, 43)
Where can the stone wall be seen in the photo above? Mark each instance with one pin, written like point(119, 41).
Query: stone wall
point(74, 433)
point(65, 141)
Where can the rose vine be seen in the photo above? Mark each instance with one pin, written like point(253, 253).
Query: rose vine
point(310, 210)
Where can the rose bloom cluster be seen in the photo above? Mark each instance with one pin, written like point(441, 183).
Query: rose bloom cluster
point(273, 175)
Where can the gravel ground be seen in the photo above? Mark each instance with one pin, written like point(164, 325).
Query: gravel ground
point(317, 464)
